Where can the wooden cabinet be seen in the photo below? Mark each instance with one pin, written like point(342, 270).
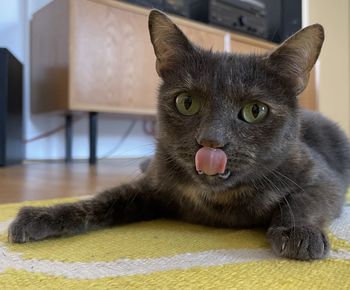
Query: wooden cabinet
point(244, 44)
point(112, 59)
point(96, 55)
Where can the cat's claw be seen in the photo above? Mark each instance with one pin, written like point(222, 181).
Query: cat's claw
point(283, 246)
point(299, 244)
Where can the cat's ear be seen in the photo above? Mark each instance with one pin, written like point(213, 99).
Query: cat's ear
point(296, 56)
point(169, 42)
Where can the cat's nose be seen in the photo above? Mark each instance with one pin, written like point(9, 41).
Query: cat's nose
point(210, 142)
point(211, 134)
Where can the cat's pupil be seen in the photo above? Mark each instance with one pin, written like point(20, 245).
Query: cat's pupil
point(255, 110)
point(187, 102)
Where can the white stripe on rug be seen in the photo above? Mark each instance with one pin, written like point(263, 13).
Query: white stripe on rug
point(4, 225)
point(341, 226)
point(128, 267)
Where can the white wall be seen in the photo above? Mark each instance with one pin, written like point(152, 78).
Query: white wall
point(334, 73)
point(12, 22)
point(15, 18)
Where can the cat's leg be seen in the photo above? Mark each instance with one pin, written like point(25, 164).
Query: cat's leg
point(296, 229)
point(126, 203)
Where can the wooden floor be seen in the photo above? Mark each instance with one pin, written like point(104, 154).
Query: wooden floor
point(46, 180)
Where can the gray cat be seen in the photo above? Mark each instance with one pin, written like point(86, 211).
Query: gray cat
point(233, 150)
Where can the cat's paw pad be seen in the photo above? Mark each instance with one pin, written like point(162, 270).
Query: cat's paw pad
point(300, 243)
point(31, 224)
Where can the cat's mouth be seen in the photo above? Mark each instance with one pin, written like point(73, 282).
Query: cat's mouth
point(225, 175)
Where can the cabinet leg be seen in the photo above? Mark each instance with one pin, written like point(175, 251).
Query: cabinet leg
point(93, 137)
point(69, 138)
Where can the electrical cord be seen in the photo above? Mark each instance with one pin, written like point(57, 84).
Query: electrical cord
point(148, 128)
point(121, 141)
point(49, 133)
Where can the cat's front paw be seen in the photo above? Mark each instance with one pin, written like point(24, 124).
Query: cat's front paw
point(31, 224)
point(300, 243)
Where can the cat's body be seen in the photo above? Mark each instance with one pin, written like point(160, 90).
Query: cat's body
point(252, 202)
point(233, 150)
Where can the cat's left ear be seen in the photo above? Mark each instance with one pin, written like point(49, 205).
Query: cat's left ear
point(296, 56)
point(169, 42)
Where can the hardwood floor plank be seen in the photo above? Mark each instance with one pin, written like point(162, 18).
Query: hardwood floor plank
point(46, 180)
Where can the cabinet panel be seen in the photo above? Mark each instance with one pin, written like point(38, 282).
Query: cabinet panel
point(205, 39)
point(244, 47)
point(112, 63)
point(50, 58)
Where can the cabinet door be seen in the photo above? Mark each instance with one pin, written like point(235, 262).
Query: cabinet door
point(307, 99)
point(239, 46)
point(203, 35)
point(112, 65)
point(112, 59)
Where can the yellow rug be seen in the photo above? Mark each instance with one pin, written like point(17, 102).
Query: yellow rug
point(166, 254)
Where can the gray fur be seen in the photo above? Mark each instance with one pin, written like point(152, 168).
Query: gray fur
point(289, 172)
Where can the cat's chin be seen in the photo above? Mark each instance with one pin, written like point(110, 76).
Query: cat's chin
point(217, 182)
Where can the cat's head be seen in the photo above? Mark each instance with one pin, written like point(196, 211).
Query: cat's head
point(243, 106)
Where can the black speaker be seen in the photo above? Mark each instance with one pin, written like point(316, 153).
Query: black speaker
point(11, 108)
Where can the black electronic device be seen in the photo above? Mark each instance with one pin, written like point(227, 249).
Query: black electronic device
point(11, 102)
point(192, 9)
point(284, 18)
point(248, 16)
point(274, 20)
point(158, 4)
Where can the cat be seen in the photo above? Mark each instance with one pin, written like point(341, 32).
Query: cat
point(233, 150)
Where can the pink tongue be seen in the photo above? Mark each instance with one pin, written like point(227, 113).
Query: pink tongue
point(210, 161)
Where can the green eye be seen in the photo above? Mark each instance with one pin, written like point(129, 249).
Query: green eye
point(254, 112)
point(187, 105)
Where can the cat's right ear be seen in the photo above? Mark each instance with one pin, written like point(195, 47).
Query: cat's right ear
point(169, 42)
point(296, 56)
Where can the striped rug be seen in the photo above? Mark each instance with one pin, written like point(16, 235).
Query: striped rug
point(166, 254)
